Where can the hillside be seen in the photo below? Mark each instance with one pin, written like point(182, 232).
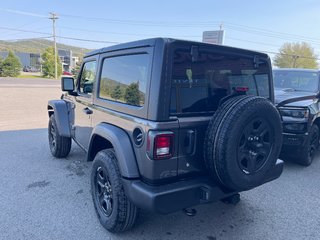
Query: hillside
point(38, 45)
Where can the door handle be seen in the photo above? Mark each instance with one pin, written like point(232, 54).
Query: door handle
point(87, 111)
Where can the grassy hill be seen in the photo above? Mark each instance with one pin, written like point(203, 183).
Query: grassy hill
point(37, 46)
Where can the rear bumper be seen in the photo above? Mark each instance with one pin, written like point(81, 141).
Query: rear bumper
point(183, 194)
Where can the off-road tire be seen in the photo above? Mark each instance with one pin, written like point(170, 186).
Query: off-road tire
point(307, 153)
point(59, 146)
point(123, 214)
point(243, 142)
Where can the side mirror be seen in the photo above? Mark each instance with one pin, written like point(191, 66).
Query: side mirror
point(67, 84)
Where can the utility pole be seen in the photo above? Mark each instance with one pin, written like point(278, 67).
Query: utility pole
point(54, 17)
point(221, 32)
point(295, 58)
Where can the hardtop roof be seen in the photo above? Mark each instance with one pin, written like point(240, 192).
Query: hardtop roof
point(152, 41)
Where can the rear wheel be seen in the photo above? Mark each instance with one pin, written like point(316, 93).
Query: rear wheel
point(59, 146)
point(115, 212)
point(243, 142)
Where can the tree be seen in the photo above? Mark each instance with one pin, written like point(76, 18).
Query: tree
point(116, 93)
point(75, 71)
point(132, 94)
point(48, 67)
point(11, 66)
point(296, 55)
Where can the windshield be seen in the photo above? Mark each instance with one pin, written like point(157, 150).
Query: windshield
point(297, 80)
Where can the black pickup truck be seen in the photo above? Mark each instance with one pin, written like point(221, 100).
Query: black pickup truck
point(297, 98)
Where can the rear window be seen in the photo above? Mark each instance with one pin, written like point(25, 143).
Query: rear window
point(198, 86)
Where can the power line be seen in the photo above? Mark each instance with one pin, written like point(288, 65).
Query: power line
point(143, 23)
point(260, 43)
point(88, 40)
point(124, 34)
point(24, 39)
point(291, 55)
point(22, 13)
point(26, 31)
point(271, 34)
point(259, 30)
point(232, 26)
point(58, 36)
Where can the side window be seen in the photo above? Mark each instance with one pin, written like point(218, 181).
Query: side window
point(124, 79)
point(87, 77)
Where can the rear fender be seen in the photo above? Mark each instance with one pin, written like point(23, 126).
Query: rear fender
point(119, 140)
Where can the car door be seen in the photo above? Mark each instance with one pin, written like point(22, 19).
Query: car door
point(83, 102)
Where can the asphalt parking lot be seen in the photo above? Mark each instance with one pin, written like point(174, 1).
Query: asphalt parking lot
point(46, 198)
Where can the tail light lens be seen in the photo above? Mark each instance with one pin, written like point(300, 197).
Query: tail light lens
point(160, 145)
point(242, 89)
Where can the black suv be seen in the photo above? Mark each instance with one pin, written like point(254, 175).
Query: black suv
point(297, 97)
point(169, 124)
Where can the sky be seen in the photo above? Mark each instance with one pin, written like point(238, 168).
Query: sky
point(255, 25)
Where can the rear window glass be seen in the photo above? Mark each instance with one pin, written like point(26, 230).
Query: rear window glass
point(198, 86)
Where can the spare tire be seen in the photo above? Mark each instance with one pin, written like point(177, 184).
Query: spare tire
point(243, 142)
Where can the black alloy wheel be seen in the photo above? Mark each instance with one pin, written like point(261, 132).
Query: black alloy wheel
point(103, 191)
point(243, 141)
point(255, 145)
point(53, 137)
point(60, 146)
point(115, 211)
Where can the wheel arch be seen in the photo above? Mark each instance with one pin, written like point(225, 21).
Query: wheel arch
point(106, 136)
point(60, 109)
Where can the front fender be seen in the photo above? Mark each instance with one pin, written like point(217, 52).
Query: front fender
point(122, 146)
point(61, 113)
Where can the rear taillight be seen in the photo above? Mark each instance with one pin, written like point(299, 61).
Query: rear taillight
point(160, 145)
point(163, 146)
point(242, 89)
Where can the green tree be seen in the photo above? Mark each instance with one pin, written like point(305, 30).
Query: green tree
point(296, 55)
point(116, 93)
point(75, 71)
point(11, 66)
point(132, 94)
point(48, 68)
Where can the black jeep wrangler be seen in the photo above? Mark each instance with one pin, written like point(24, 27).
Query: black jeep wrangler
point(169, 124)
point(297, 97)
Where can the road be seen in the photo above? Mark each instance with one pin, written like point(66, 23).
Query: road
point(46, 198)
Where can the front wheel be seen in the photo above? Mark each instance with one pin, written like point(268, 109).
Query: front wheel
point(307, 154)
point(59, 146)
point(115, 212)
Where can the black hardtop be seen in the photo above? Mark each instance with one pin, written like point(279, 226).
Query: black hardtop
point(152, 42)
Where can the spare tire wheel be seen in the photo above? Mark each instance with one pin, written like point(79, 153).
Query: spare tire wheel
point(243, 142)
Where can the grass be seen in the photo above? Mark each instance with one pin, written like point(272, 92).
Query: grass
point(29, 76)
